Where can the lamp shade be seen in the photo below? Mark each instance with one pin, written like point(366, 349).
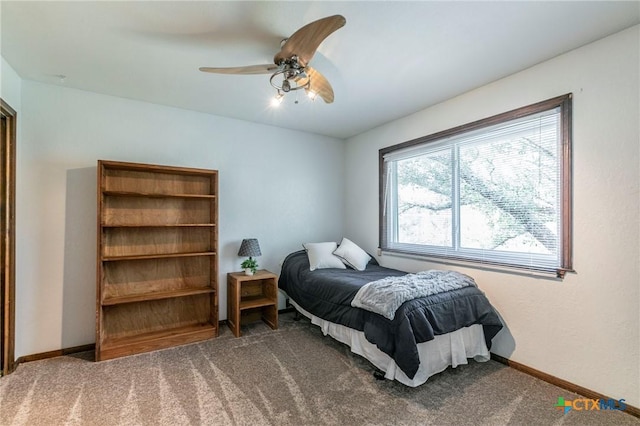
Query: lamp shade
point(249, 247)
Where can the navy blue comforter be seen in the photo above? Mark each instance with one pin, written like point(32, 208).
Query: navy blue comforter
point(327, 293)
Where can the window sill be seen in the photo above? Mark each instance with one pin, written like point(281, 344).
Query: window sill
point(555, 275)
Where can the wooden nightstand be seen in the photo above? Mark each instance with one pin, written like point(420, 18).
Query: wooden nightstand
point(250, 297)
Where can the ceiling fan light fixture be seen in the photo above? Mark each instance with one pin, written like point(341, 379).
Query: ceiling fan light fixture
point(277, 99)
point(293, 78)
point(311, 94)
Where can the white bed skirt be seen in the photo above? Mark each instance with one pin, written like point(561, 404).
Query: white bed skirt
point(451, 349)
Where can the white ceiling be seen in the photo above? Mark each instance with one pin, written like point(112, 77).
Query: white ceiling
point(391, 59)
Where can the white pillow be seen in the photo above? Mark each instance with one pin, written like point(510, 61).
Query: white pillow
point(321, 256)
point(352, 255)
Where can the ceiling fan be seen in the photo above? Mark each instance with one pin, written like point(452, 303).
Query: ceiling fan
point(290, 70)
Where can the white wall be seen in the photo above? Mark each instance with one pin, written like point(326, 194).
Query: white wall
point(10, 85)
point(584, 329)
point(276, 185)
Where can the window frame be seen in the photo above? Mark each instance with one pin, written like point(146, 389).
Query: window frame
point(564, 103)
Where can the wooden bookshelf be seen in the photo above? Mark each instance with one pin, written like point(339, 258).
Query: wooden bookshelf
point(157, 259)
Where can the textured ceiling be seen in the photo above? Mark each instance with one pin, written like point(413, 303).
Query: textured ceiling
point(391, 59)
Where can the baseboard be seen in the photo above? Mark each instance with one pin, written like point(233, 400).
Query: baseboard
point(572, 387)
point(56, 353)
point(70, 351)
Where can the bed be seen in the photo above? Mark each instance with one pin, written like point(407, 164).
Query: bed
point(426, 335)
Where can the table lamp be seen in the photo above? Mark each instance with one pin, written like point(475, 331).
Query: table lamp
point(250, 248)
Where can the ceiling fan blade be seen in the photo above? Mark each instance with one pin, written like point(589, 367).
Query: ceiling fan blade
point(319, 84)
point(304, 42)
point(251, 69)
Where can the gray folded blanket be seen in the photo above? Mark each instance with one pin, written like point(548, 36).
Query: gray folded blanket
point(385, 296)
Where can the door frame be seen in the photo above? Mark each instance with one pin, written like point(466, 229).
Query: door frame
point(8, 240)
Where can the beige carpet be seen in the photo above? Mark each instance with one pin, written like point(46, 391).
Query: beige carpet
point(292, 376)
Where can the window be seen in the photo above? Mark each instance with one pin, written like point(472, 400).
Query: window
point(496, 191)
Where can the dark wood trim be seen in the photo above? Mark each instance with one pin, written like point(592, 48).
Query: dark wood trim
point(566, 174)
point(564, 102)
point(7, 288)
point(56, 353)
point(572, 387)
